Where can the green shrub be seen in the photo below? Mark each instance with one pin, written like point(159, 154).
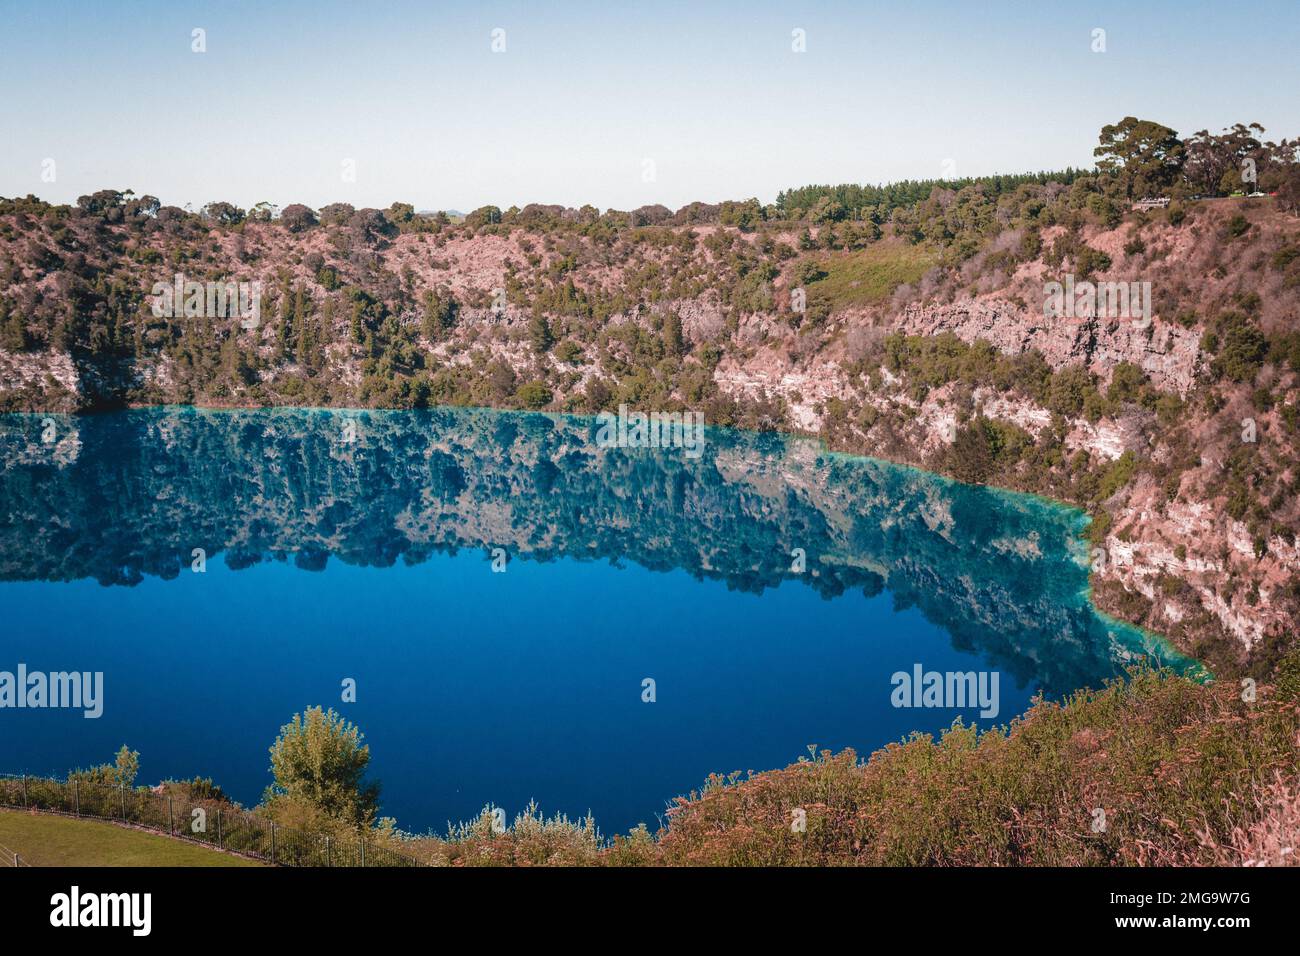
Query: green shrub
point(533, 395)
point(1240, 346)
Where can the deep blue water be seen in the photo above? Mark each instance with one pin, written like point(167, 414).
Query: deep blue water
point(370, 559)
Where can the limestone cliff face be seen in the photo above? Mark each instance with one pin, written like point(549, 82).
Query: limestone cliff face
point(51, 379)
point(1169, 354)
point(1194, 570)
point(1190, 560)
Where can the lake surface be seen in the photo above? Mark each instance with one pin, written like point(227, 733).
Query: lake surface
point(360, 545)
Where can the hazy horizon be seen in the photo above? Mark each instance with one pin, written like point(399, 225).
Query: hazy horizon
point(613, 108)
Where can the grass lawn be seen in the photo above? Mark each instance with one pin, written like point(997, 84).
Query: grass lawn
point(869, 276)
point(43, 840)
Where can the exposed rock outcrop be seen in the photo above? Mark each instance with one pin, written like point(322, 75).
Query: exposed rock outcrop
point(1169, 354)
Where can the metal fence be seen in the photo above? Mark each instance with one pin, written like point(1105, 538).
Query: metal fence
point(209, 822)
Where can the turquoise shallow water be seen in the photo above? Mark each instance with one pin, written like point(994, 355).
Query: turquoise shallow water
point(360, 546)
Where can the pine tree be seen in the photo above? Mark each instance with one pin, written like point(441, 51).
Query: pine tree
point(358, 326)
point(286, 323)
point(13, 329)
point(431, 325)
point(306, 352)
point(971, 455)
point(541, 334)
point(673, 341)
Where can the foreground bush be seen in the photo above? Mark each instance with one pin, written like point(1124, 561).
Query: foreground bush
point(1270, 835)
point(1158, 770)
point(533, 840)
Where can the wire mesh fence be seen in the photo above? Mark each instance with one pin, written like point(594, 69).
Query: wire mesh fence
point(209, 822)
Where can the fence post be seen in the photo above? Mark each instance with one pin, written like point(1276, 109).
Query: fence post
point(76, 797)
point(121, 792)
point(171, 819)
point(273, 843)
point(220, 841)
point(327, 852)
point(24, 791)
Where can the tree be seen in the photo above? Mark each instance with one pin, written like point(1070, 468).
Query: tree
point(319, 757)
point(971, 456)
point(534, 395)
point(808, 271)
point(1243, 350)
point(827, 210)
point(1288, 191)
point(368, 225)
point(1215, 164)
point(13, 329)
point(358, 323)
point(1145, 156)
point(336, 213)
point(540, 333)
point(598, 394)
point(263, 211)
point(745, 215)
point(1068, 390)
point(144, 207)
point(1126, 383)
point(400, 213)
point(649, 215)
point(483, 216)
point(674, 342)
point(106, 203)
point(228, 214)
point(297, 218)
point(126, 767)
point(439, 314)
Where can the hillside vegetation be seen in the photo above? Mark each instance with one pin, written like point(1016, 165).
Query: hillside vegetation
point(905, 321)
point(1154, 770)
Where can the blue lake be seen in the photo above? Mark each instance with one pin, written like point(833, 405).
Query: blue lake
point(360, 545)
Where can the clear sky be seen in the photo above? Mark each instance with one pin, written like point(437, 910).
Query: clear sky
point(609, 103)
